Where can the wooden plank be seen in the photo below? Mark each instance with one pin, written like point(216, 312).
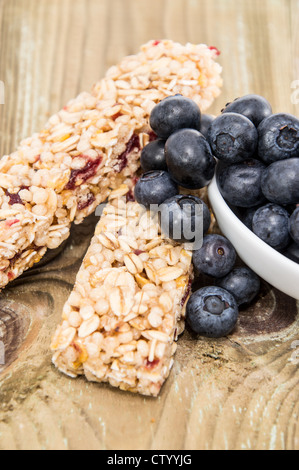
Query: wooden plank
point(239, 392)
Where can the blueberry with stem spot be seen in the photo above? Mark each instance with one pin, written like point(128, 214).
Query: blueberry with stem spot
point(233, 138)
point(278, 138)
point(212, 312)
point(216, 257)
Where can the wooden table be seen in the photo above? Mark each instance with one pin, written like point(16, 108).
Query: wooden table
point(239, 392)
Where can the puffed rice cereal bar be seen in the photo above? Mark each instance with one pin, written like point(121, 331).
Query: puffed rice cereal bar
point(127, 307)
point(90, 147)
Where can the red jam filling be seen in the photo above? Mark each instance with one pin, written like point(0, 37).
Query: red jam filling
point(151, 364)
point(83, 174)
point(14, 198)
point(186, 295)
point(9, 223)
point(152, 136)
point(86, 202)
point(138, 252)
point(213, 48)
point(130, 196)
point(131, 145)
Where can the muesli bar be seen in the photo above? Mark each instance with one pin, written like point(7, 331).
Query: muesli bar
point(90, 147)
point(122, 319)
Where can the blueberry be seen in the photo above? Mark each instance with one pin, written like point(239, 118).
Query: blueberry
point(179, 216)
point(254, 107)
point(242, 283)
point(154, 187)
point(153, 156)
point(189, 159)
point(233, 138)
point(294, 225)
point(292, 252)
point(240, 183)
point(216, 257)
point(280, 182)
point(278, 138)
point(174, 113)
point(212, 312)
point(247, 216)
point(206, 121)
point(271, 224)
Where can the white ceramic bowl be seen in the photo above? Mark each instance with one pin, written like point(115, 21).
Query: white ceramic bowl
point(270, 265)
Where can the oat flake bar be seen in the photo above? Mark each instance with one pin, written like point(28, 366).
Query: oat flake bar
point(127, 307)
point(90, 147)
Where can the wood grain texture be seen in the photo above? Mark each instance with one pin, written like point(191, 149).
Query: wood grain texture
point(239, 392)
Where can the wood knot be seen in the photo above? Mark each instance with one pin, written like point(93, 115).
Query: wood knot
point(14, 325)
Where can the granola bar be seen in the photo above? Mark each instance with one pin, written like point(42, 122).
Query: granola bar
point(126, 310)
point(90, 147)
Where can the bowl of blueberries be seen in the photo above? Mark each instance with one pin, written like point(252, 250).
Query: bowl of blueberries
point(247, 161)
point(255, 191)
